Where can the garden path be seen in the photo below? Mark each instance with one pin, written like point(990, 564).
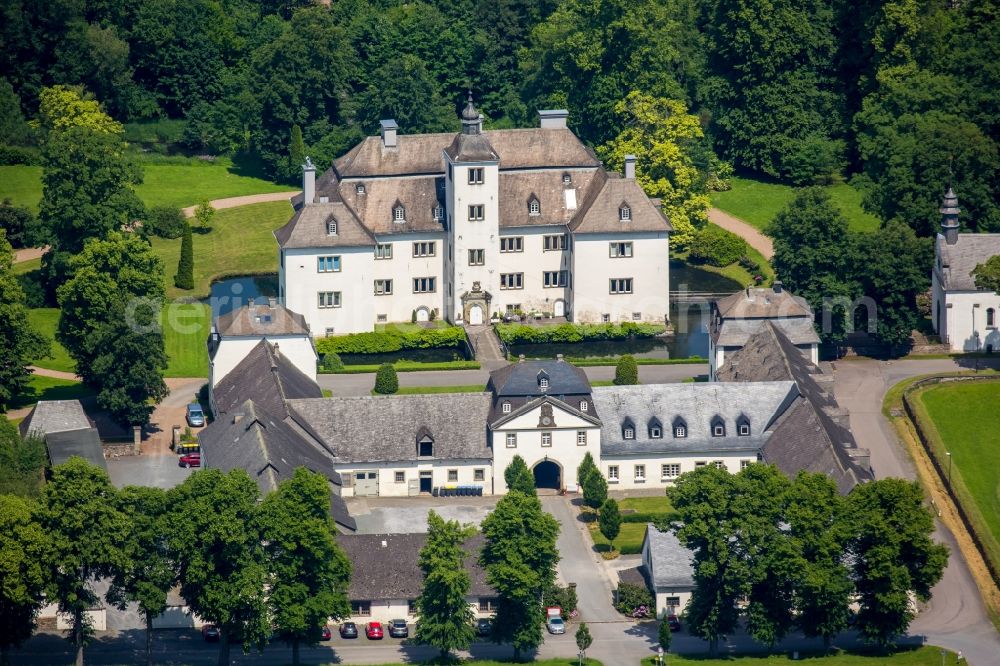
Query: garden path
point(235, 202)
point(755, 238)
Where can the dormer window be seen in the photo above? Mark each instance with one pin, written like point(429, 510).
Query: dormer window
point(360, 188)
point(583, 406)
point(743, 426)
point(718, 427)
point(655, 429)
point(398, 213)
point(628, 430)
point(680, 428)
point(567, 179)
point(506, 407)
point(534, 207)
point(425, 447)
point(543, 383)
point(331, 227)
point(438, 213)
point(624, 213)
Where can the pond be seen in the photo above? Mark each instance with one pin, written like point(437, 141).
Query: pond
point(232, 293)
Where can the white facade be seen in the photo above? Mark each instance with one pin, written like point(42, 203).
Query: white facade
point(385, 610)
point(599, 271)
point(233, 349)
point(642, 472)
point(301, 282)
point(966, 320)
point(406, 478)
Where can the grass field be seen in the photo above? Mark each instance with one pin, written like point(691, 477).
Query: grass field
point(49, 388)
point(185, 331)
point(23, 267)
point(657, 504)
point(965, 418)
point(239, 243)
point(629, 541)
point(45, 320)
point(163, 185)
point(921, 656)
point(757, 202)
point(734, 271)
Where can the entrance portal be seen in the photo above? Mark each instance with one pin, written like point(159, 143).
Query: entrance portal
point(548, 475)
point(559, 309)
point(426, 482)
point(476, 315)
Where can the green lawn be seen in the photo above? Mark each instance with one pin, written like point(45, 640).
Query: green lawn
point(922, 656)
point(966, 418)
point(185, 332)
point(658, 504)
point(240, 243)
point(757, 202)
point(629, 541)
point(49, 388)
point(22, 267)
point(45, 320)
point(414, 390)
point(734, 271)
point(163, 185)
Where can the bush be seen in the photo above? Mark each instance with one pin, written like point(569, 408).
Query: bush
point(13, 155)
point(626, 371)
point(717, 247)
point(634, 600)
point(165, 222)
point(332, 362)
point(595, 489)
point(646, 517)
point(392, 340)
point(185, 265)
point(518, 334)
point(563, 597)
point(749, 264)
point(386, 381)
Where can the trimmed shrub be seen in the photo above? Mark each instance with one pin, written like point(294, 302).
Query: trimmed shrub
point(165, 222)
point(563, 597)
point(627, 371)
point(749, 264)
point(610, 521)
point(518, 334)
point(185, 265)
point(717, 247)
point(386, 381)
point(595, 489)
point(392, 340)
point(332, 362)
point(634, 600)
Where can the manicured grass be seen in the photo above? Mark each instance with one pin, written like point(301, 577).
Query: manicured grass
point(240, 242)
point(629, 541)
point(185, 332)
point(414, 390)
point(45, 321)
point(22, 267)
point(163, 185)
point(49, 388)
point(964, 417)
point(735, 271)
point(922, 656)
point(757, 202)
point(658, 504)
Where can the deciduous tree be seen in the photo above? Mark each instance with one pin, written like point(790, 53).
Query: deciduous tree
point(19, 343)
point(583, 639)
point(520, 558)
point(23, 559)
point(88, 535)
point(204, 213)
point(308, 571)
point(987, 274)
point(22, 462)
point(518, 477)
point(610, 521)
point(444, 613)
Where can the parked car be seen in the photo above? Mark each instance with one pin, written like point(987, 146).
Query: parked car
point(195, 415)
point(373, 630)
point(484, 626)
point(348, 630)
point(324, 633)
point(555, 625)
point(674, 622)
point(190, 460)
point(211, 633)
point(398, 629)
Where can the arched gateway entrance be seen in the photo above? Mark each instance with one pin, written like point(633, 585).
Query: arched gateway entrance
point(548, 474)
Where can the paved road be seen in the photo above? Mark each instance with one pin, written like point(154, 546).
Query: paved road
point(956, 617)
point(363, 384)
point(750, 234)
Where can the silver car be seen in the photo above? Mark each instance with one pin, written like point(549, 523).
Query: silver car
point(555, 625)
point(195, 415)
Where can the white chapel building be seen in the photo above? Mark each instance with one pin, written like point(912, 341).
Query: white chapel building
point(466, 226)
point(963, 315)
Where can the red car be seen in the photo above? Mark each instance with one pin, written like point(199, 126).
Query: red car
point(190, 460)
point(373, 630)
point(324, 633)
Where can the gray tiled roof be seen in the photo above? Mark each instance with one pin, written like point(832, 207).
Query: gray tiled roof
point(385, 566)
point(265, 376)
point(670, 562)
point(471, 148)
point(308, 228)
point(959, 260)
point(269, 449)
point(736, 332)
point(84, 443)
point(418, 196)
point(609, 193)
point(697, 405)
point(54, 416)
point(517, 189)
point(763, 302)
point(521, 379)
point(258, 319)
point(384, 428)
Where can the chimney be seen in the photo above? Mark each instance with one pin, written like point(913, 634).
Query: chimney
point(276, 352)
point(136, 438)
point(272, 302)
point(749, 293)
point(552, 118)
point(630, 161)
point(308, 182)
point(237, 417)
point(860, 457)
point(777, 286)
point(949, 217)
point(389, 129)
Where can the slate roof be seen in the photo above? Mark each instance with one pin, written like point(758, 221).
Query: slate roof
point(521, 406)
point(385, 566)
point(254, 320)
point(85, 443)
point(697, 405)
point(959, 260)
point(736, 332)
point(670, 563)
point(419, 197)
point(268, 378)
point(471, 148)
point(385, 428)
point(265, 446)
point(521, 379)
point(517, 189)
point(763, 302)
point(54, 416)
point(308, 228)
point(609, 193)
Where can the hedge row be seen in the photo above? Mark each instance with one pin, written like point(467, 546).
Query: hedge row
point(613, 360)
point(404, 366)
point(392, 340)
point(519, 334)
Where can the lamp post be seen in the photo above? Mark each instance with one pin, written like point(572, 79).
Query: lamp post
point(659, 655)
point(948, 453)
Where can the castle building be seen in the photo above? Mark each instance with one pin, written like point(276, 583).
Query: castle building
point(468, 226)
point(964, 315)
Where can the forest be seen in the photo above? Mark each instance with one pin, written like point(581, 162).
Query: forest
point(896, 96)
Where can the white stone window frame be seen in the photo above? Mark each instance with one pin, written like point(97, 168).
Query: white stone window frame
point(547, 439)
point(505, 407)
point(581, 437)
point(511, 440)
point(639, 473)
point(613, 474)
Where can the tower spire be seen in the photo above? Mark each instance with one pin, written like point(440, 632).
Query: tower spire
point(471, 119)
point(949, 216)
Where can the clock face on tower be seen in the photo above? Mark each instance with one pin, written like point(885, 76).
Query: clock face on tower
point(546, 419)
